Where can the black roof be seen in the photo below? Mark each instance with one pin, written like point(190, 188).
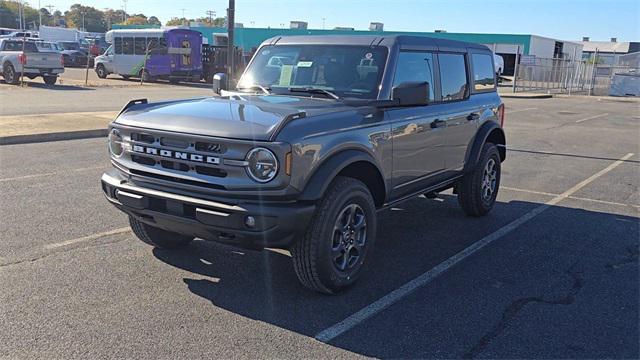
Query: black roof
point(386, 40)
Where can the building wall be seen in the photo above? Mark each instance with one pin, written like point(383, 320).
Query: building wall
point(248, 38)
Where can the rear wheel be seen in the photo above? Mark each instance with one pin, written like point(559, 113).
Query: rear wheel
point(331, 255)
point(478, 189)
point(50, 79)
point(145, 76)
point(9, 73)
point(101, 71)
point(157, 237)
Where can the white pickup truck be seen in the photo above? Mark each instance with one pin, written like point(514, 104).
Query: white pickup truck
point(18, 57)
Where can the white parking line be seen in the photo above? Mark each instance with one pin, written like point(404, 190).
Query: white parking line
point(592, 117)
point(508, 112)
point(51, 173)
point(569, 197)
point(394, 296)
point(87, 238)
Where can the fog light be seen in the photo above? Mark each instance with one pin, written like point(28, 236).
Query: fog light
point(250, 221)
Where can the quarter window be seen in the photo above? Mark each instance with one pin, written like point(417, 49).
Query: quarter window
point(453, 76)
point(415, 66)
point(483, 78)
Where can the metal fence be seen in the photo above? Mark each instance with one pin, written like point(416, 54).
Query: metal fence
point(565, 76)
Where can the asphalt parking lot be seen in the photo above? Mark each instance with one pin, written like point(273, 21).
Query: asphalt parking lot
point(552, 272)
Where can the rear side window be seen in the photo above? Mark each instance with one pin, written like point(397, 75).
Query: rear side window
point(453, 76)
point(29, 47)
point(483, 77)
point(415, 66)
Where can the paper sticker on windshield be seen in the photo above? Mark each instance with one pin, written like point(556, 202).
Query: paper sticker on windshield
point(305, 64)
point(285, 75)
point(368, 56)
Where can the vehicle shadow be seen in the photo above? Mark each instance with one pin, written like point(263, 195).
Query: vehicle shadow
point(37, 85)
point(411, 240)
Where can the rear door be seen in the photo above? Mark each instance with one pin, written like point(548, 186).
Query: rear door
point(458, 111)
point(417, 135)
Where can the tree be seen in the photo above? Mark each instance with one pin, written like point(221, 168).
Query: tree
point(154, 21)
point(9, 15)
point(93, 18)
point(217, 22)
point(136, 20)
point(178, 21)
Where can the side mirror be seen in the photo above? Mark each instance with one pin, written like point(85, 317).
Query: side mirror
point(411, 93)
point(220, 82)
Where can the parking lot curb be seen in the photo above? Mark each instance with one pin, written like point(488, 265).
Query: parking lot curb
point(526, 96)
point(57, 136)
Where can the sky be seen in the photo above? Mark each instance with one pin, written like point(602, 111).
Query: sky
point(561, 19)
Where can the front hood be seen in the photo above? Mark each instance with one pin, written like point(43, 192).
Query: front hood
point(255, 117)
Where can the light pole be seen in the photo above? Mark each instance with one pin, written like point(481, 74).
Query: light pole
point(39, 15)
point(323, 19)
point(83, 28)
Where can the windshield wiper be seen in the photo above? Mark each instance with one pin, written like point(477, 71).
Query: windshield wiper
point(265, 90)
point(312, 90)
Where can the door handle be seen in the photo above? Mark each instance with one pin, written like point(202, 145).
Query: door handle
point(437, 123)
point(473, 116)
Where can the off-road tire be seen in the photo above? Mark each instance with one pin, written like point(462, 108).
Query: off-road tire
point(311, 255)
point(157, 237)
point(469, 188)
point(50, 79)
point(10, 76)
point(101, 71)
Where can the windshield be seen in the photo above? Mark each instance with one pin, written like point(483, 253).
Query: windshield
point(348, 71)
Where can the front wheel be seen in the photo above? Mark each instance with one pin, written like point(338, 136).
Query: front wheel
point(478, 189)
point(50, 79)
point(9, 74)
point(101, 71)
point(157, 237)
point(331, 255)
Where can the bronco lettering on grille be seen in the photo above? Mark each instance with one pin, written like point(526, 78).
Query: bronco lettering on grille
point(180, 155)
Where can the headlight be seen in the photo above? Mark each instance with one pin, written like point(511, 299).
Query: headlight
point(262, 165)
point(115, 143)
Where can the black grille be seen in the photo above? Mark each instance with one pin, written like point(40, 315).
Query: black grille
point(203, 170)
point(175, 143)
point(144, 138)
point(176, 179)
point(143, 160)
point(174, 165)
point(210, 147)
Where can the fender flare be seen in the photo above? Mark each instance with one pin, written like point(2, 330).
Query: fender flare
point(329, 169)
point(473, 156)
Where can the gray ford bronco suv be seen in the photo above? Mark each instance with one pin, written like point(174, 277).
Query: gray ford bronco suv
point(319, 134)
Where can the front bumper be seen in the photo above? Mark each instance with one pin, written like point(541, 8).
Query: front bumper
point(276, 225)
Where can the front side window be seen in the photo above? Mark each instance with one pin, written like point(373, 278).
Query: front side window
point(348, 71)
point(453, 76)
point(117, 44)
point(483, 77)
point(415, 67)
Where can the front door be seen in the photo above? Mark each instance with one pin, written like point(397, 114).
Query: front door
point(417, 133)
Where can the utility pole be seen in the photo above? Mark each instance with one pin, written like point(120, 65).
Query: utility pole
point(83, 28)
point(231, 21)
point(212, 15)
point(124, 12)
point(39, 16)
point(323, 19)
